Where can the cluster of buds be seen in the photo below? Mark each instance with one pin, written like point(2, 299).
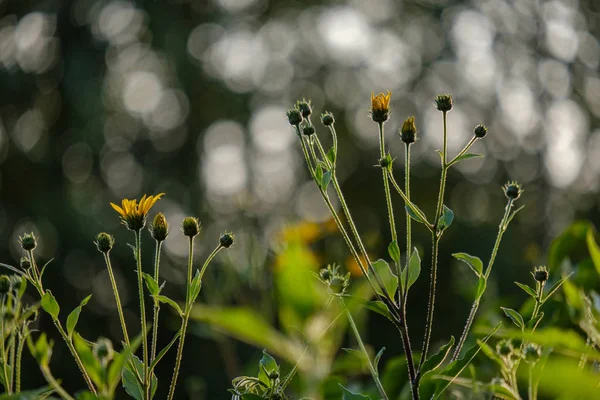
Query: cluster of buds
point(336, 282)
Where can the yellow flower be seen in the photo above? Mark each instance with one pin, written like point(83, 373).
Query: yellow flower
point(380, 106)
point(133, 215)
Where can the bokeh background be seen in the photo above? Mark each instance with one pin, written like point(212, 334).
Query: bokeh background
point(102, 100)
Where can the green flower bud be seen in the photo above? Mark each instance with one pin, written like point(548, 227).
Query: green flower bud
point(15, 282)
point(4, 284)
point(274, 375)
point(325, 274)
point(443, 102)
point(190, 226)
point(408, 132)
point(308, 130)
point(104, 242)
point(512, 190)
point(504, 347)
point(226, 240)
point(327, 118)
point(28, 241)
point(532, 353)
point(25, 263)
point(480, 131)
point(304, 107)
point(386, 162)
point(540, 274)
point(338, 284)
point(159, 227)
point(294, 116)
point(103, 350)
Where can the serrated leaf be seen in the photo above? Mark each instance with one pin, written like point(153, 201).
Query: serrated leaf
point(481, 285)
point(555, 287)
point(331, 155)
point(473, 262)
point(73, 317)
point(528, 289)
point(390, 280)
point(516, 318)
point(445, 219)
point(436, 360)
point(394, 251)
point(50, 305)
point(151, 284)
point(348, 395)
point(171, 302)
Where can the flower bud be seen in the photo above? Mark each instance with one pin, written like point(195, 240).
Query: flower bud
point(24, 263)
point(408, 132)
point(159, 227)
point(15, 282)
point(386, 162)
point(274, 375)
point(443, 102)
point(190, 226)
point(4, 284)
point(338, 284)
point(226, 240)
point(308, 130)
point(480, 131)
point(327, 118)
point(103, 350)
point(512, 190)
point(540, 274)
point(304, 107)
point(104, 242)
point(28, 241)
point(504, 347)
point(325, 274)
point(294, 116)
point(532, 353)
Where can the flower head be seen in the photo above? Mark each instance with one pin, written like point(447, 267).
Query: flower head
point(304, 107)
point(443, 102)
point(540, 274)
point(408, 132)
point(28, 241)
point(380, 106)
point(104, 242)
point(226, 240)
point(513, 190)
point(294, 116)
point(327, 118)
point(190, 226)
point(133, 215)
point(159, 227)
point(480, 131)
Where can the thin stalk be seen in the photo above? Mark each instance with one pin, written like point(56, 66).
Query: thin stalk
point(11, 357)
point(435, 238)
point(386, 186)
point(156, 302)
point(54, 383)
point(501, 229)
point(408, 220)
point(6, 376)
point(372, 369)
point(20, 346)
point(138, 253)
point(408, 202)
point(113, 283)
point(463, 151)
point(412, 373)
point(188, 309)
point(65, 336)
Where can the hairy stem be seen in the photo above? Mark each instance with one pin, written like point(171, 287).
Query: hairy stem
point(54, 383)
point(408, 222)
point(138, 254)
point(113, 283)
point(156, 302)
point(20, 346)
point(386, 186)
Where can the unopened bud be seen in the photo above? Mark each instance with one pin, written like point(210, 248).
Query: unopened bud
point(408, 132)
point(480, 131)
point(327, 118)
point(443, 102)
point(226, 240)
point(159, 227)
point(190, 226)
point(28, 241)
point(104, 242)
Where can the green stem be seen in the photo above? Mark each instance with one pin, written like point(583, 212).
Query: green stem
point(372, 369)
point(386, 186)
point(138, 252)
point(156, 302)
point(408, 220)
point(463, 151)
point(408, 202)
point(434, 254)
point(54, 383)
point(113, 283)
point(11, 356)
point(20, 346)
point(188, 309)
point(501, 229)
point(7, 381)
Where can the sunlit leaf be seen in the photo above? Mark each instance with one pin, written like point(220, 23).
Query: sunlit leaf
point(555, 287)
point(436, 360)
point(171, 302)
point(348, 395)
point(73, 317)
point(527, 289)
point(387, 276)
point(445, 219)
point(50, 305)
point(394, 251)
point(473, 262)
point(516, 318)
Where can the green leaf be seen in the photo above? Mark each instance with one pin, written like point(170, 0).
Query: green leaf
point(377, 358)
point(162, 353)
point(555, 287)
point(516, 318)
point(151, 284)
point(481, 285)
point(87, 395)
point(331, 155)
point(73, 317)
point(41, 350)
point(130, 383)
point(267, 365)
point(414, 268)
point(390, 280)
point(50, 305)
point(411, 213)
point(529, 290)
point(445, 219)
point(533, 322)
point(348, 395)
point(436, 360)
point(473, 262)
point(394, 251)
point(380, 308)
point(88, 359)
point(35, 394)
point(512, 215)
point(115, 369)
point(44, 267)
point(319, 174)
point(325, 180)
point(593, 249)
point(195, 287)
point(171, 302)
point(465, 157)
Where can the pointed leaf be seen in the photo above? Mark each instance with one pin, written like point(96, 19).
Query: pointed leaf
point(436, 360)
point(151, 284)
point(377, 358)
point(516, 318)
point(348, 395)
point(319, 174)
point(414, 268)
point(529, 290)
point(555, 287)
point(481, 285)
point(512, 215)
point(394, 251)
point(44, 267)
point(73, 317)
point(325, 180)
point(164, 351)
point(446, 219)
point(411, 211)
point(171, 302)
point(465, 157)
point(90, 362)
point(130, 383)
point(50, 305)
point(390, 280)
point(267, 365)
point(473, 262)
point(380, 308)
point(331, 155)
point(533, 323)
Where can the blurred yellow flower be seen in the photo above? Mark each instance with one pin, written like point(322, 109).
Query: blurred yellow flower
point(380, 106)
point(133, 215)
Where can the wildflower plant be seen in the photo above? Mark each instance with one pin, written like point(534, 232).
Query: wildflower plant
point(390, 284)
point(101, 365)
